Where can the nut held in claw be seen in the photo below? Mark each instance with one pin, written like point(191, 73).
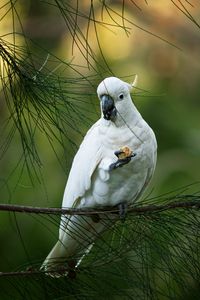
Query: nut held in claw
point(125, 152)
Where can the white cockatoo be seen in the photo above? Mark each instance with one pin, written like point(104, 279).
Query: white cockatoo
point(112, 167)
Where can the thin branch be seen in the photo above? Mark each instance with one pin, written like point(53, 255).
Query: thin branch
point(193, 204)
point(32, 271)
point(20, 273)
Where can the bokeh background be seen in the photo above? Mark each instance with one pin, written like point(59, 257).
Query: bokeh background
point(159, 41)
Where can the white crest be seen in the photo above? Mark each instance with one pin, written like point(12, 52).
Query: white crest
point(135, 81)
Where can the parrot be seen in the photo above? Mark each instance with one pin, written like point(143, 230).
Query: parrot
point(112, 167)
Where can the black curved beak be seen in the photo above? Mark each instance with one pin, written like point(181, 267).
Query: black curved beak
point(108, 107)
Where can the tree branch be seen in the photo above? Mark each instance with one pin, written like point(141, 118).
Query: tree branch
point(142, 209)
point(186, 202)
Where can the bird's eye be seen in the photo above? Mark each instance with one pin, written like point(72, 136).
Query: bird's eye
point(121, 96)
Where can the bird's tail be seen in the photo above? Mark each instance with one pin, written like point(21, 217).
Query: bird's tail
point(56, 260)
point(76, 238)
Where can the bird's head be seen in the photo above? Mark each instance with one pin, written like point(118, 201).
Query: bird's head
point(114, 95)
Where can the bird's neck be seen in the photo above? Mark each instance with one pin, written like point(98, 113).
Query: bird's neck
point(129, 116)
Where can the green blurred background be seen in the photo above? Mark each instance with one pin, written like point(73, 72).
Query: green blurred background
point(167, 96)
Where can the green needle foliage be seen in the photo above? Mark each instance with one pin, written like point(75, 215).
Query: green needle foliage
point(152, 254)
point(40, 101)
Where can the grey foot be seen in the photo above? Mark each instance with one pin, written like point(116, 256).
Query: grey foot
point(120, 162)
point(122, 210)
point(124, 156)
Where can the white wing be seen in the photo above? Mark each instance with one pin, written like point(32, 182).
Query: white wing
point(85, 162)
point(74, 229)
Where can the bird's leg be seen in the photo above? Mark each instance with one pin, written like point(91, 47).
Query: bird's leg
point(122, 210)
point(124, 157)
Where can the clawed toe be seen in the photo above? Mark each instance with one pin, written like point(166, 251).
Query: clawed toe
point(120, 163)
point(124, 156)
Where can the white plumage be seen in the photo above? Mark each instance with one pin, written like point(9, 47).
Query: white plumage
point(98, 177)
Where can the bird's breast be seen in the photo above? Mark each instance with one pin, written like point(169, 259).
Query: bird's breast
point(110, 187)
